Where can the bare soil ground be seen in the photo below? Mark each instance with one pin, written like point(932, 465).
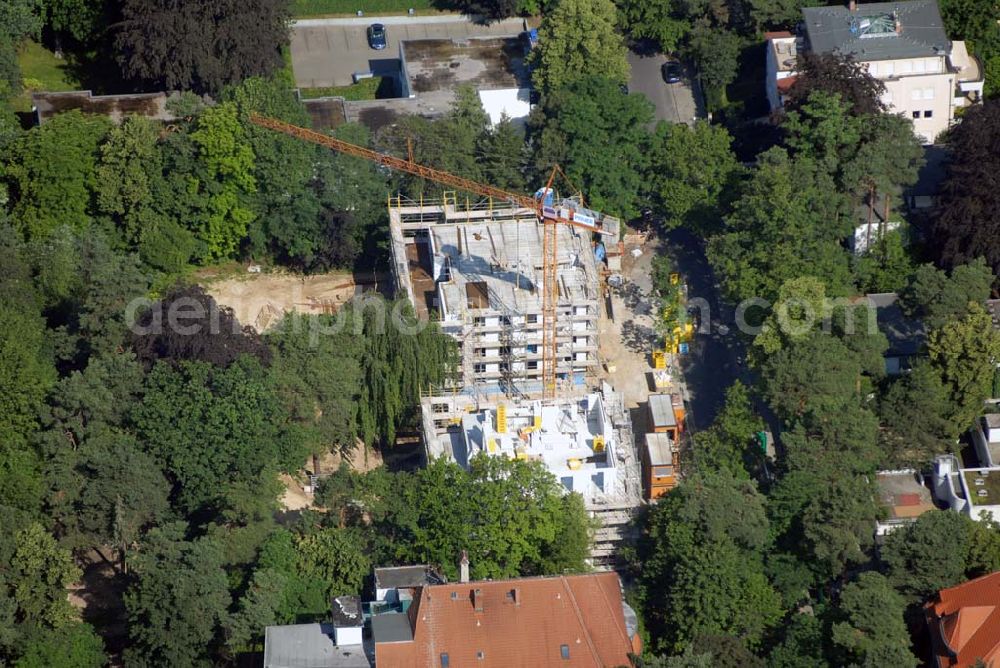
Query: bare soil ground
point(627, 342)
point(296, 498)
point(260, 300)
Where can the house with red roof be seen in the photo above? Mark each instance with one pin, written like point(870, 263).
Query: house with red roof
point(964, 623)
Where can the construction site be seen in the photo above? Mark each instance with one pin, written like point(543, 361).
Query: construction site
point(523, 285)
point(477, 270)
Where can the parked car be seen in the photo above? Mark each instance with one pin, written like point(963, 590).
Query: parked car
point(376, 36)
point(672, 72)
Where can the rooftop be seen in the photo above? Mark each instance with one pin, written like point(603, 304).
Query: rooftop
point(964, 622)
point(309, 646)
point(573, 437)
point(485, 63)
point(784, 49)
point(346, 611)
point(660, 449)
point(661, 409)
point(983, 486)
point(903, 494)
point(502, 256)
point(398, 577)
point(878, 31)
point(573, 620)
point(115, 107)
point(906, 335)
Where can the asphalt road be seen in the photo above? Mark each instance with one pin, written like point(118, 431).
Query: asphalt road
point(716, 358)
point(674, 103)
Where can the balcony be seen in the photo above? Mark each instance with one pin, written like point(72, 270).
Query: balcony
point(969, 78)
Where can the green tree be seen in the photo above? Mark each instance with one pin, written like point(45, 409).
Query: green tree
point(965, 352)
point(333, 560)
point(702, 571)
point(213, 427)
point(597, 134)
point(178, 602)
point(691, 172)
point(928, 555)
point(38, 575)
point(130, 161)
point(51, 173)
point(73, 646)
point(505, 156)
point(229, 180)
point(578, 38)
point(26, 370)
point(665, 22)
point(716, 53)
point(286, 198)
point(788, 221)
point(916, 415)
point(317, 376)
point(937, 297)
point(802, 644)
point(873, 632)
point(84, 20)
point(731, 444)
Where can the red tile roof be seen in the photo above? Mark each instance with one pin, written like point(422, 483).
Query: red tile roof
point(964, 623)
point(785, 85)
point(530, 622)
point(777, 35)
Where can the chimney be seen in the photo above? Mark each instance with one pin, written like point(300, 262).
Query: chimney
point(463, 567)
point(515, 595)
point(852, 5)
point(477, 600)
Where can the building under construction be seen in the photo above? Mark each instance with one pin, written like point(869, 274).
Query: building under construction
point(585, 441)
point(476, 268)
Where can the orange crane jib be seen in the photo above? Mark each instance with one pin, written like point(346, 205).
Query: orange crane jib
point(550, 215)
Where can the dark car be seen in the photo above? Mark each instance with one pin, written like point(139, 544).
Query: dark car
point(672, 72)
point(376, 36)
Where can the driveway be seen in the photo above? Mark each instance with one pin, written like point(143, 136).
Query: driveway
point(675, 103)
point(327, 52)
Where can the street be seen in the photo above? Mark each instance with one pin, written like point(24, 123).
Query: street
point(674, 103)
point(712, 366)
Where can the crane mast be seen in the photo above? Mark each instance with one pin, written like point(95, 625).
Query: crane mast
point(547, 215)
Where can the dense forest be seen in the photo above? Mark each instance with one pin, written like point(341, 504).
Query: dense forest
point(160, 453)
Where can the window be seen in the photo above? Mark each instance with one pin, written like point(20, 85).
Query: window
point(532, 348)
point(662, 471)
point(919, 66)
point(440, 408)
point(928, 93)
point(916, 114)
point(928, 113)
point(480, 655)
point(445, 662)
point(532, 365)
point(532, 318)
point(478, 368)
point(564, 652)
point(916, 94)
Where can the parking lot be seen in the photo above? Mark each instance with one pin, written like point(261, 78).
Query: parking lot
point(675, 103)
point(327, 52)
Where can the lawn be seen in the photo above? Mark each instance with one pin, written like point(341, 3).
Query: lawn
point(302, 8)
point(375, 88)
point(41, 70)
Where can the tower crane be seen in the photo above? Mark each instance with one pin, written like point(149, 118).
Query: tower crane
point(549, 215)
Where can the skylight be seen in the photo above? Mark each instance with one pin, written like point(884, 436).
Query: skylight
point(878, 25)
